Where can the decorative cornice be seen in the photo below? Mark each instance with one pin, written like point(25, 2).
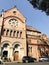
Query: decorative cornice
point(13, 17)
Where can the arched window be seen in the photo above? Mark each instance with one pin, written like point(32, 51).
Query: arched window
point(11, 33)
point(17, 33)
point(20, 34)
point(14, 33)
point(4, 31)
point(30, 49)
point(5, 45)
point(7, 32)
point(16, 46)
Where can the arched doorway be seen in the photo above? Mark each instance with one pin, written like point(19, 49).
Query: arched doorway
point(16, 52)
point(5, 50)
point(5, 53)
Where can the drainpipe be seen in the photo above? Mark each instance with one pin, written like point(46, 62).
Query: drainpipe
point(26, 46)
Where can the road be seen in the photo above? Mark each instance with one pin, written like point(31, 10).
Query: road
point(35, 63)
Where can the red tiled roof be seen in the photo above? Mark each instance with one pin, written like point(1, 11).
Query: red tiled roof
point(32, 29)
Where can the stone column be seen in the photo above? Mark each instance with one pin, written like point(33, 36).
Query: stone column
point(11, 53)
point(12, 33)
point(8, 49)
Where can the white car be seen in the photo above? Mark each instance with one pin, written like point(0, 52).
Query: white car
point(41, 59)
point(1, 62)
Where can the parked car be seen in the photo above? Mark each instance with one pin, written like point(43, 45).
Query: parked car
point(27, 59)
point(44, 58)
point(7, 59)
point(1, 62)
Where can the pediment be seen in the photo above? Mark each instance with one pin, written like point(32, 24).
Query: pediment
point(15, 13)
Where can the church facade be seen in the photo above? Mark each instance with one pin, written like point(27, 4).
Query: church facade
point(17, 39)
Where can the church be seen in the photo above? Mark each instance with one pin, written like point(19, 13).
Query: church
point(18, 39)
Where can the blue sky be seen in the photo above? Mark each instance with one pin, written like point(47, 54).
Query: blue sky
point(34, 17)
